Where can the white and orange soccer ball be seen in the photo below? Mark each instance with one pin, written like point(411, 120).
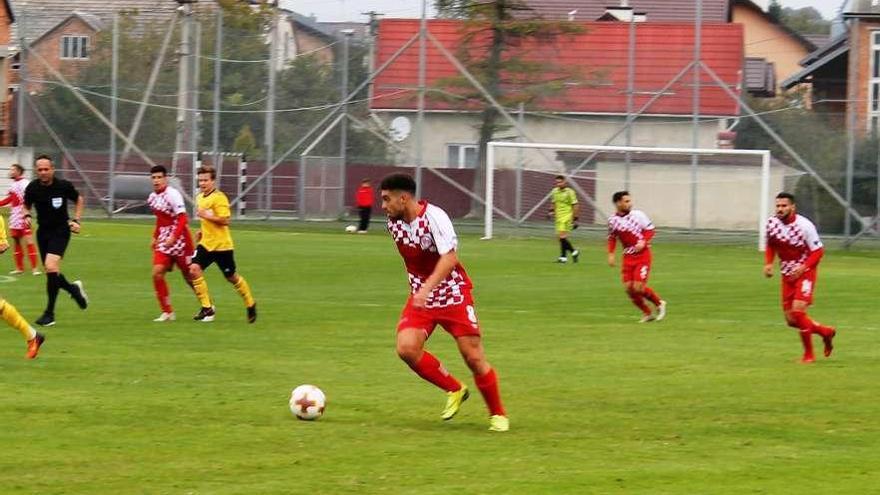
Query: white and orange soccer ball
point(307, 402)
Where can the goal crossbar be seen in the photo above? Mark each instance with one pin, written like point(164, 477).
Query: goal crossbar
point(764, 155)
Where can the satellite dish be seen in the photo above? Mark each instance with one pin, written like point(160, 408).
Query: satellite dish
point(400, 129)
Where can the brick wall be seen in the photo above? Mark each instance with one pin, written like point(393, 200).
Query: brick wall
point(5, 76)
point(49, 47)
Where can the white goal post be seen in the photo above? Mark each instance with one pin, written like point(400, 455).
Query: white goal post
point(495, 147)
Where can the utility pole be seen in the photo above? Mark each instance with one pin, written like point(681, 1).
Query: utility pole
point(372, 32)
point(269, 137)
point(343, 124)
point(184, 89)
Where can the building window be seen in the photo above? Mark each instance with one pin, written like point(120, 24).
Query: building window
point(874, 85)
point(76, 47)
point(461, 155)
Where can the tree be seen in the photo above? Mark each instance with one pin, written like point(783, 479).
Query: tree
point(495, 47)
point(774, 10)
point(806, 20)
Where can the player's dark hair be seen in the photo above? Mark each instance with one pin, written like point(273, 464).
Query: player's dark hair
point(43, 157)
point(399, 182)
point(159, 169)
point(618, 196)
point(560, 177)
point(786, 195)
point(17, 167)
point(206, 169)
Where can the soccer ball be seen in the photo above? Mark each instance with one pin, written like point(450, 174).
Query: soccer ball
point(307, 402)
point(351, 229)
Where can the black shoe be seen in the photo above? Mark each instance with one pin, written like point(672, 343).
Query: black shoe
point(575, 254)
point(252, 313)
point(79, 294)
point(47, 320)
point(205, 314)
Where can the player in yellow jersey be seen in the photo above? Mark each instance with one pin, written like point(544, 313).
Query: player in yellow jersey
point(565, 208)
point(11, 315)
point(215, 245)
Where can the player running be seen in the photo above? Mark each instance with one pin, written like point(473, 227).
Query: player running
point(11, 315)
point(565, 209)
point(440, 295)
point(215, 245)
point(172, 244)
point(635, 231)
point(794, 238)
point(18, 228)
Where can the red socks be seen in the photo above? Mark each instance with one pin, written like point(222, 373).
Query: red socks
point(639, 301)
point(488, 385)
point(430, 369)
point(805, 327)
point(161, 288)
point(19, 258)
point(652, 296)
point(32, 255)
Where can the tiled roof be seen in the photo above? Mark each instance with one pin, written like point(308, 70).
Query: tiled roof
point(662, 51)
point(37, 17)
point(657, 10)
point(818, 40)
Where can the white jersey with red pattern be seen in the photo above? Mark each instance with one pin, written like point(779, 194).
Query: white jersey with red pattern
point(421, 243)
point(630, 229)
point(16, 205)
point(167, 206)
point(792, 241)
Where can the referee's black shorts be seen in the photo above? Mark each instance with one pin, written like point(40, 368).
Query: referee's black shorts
point(224, 259)
point(53, 241)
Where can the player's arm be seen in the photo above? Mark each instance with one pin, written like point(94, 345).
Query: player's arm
point(219, 214)
point(8, 200)
point(612, 245)
point(769, 256)
point(575, 206)
point(444, 267)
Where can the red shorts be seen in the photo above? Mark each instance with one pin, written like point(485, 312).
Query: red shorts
point(168, 261)
point(799, 289)
point(459, 320)
point(19, 233)
point(636, 269)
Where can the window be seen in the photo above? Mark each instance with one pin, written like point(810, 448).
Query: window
point(461, 155)
point(874, 85)
point(76, 47)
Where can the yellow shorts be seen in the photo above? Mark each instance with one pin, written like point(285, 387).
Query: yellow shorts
point(564, 223)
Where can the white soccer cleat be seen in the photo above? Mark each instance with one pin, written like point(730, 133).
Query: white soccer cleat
point(648, 318)
point(36, 272)
point(562, 259)
point(661, 310)
point(16, 272)
point(166, 317)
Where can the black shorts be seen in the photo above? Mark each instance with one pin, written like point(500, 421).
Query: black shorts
point(224, 259)
point(53, 241)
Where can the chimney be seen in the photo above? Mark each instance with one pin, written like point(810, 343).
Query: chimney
point(726, 140)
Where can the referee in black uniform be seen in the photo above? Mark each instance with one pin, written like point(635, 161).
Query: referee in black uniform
point(50, 196)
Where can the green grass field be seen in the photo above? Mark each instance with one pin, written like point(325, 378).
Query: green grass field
point(709, 401)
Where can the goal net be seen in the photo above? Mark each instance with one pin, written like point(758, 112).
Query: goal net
point(689, 190)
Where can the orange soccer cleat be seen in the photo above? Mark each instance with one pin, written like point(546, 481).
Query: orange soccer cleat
point(33, 345)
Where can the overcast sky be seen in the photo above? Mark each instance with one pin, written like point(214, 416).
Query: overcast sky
point(350, 10)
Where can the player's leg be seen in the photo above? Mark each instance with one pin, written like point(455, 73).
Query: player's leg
point(629, 275)
point(161, 266)
point(57, 246)
point(18, 253)
point(413, 330)
point(642, 273)
point(804, 289)
point(14, 319)
point(226, 262)
point(32, 251)
point(471, 349)
point(200, 261)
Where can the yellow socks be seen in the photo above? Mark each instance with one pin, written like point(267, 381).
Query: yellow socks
point(245, 291)
point(200, 287)
point(13, 318)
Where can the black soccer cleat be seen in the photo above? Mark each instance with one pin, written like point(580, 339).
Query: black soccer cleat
point(47, 320)
point(252, 313)
point(78, 293)
point(205, 315)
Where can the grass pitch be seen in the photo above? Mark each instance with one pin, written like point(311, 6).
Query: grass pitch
point(709, 401)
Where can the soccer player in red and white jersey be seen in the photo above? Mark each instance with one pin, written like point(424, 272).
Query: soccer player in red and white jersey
point(795, 239)
point(635, 231)
point(18, 227)
point(172, 243)
point(440, 294)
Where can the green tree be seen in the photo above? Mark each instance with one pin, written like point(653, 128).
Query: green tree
point(774, 10)
point(495, 35)
point(805, 20)
point(245, 142)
